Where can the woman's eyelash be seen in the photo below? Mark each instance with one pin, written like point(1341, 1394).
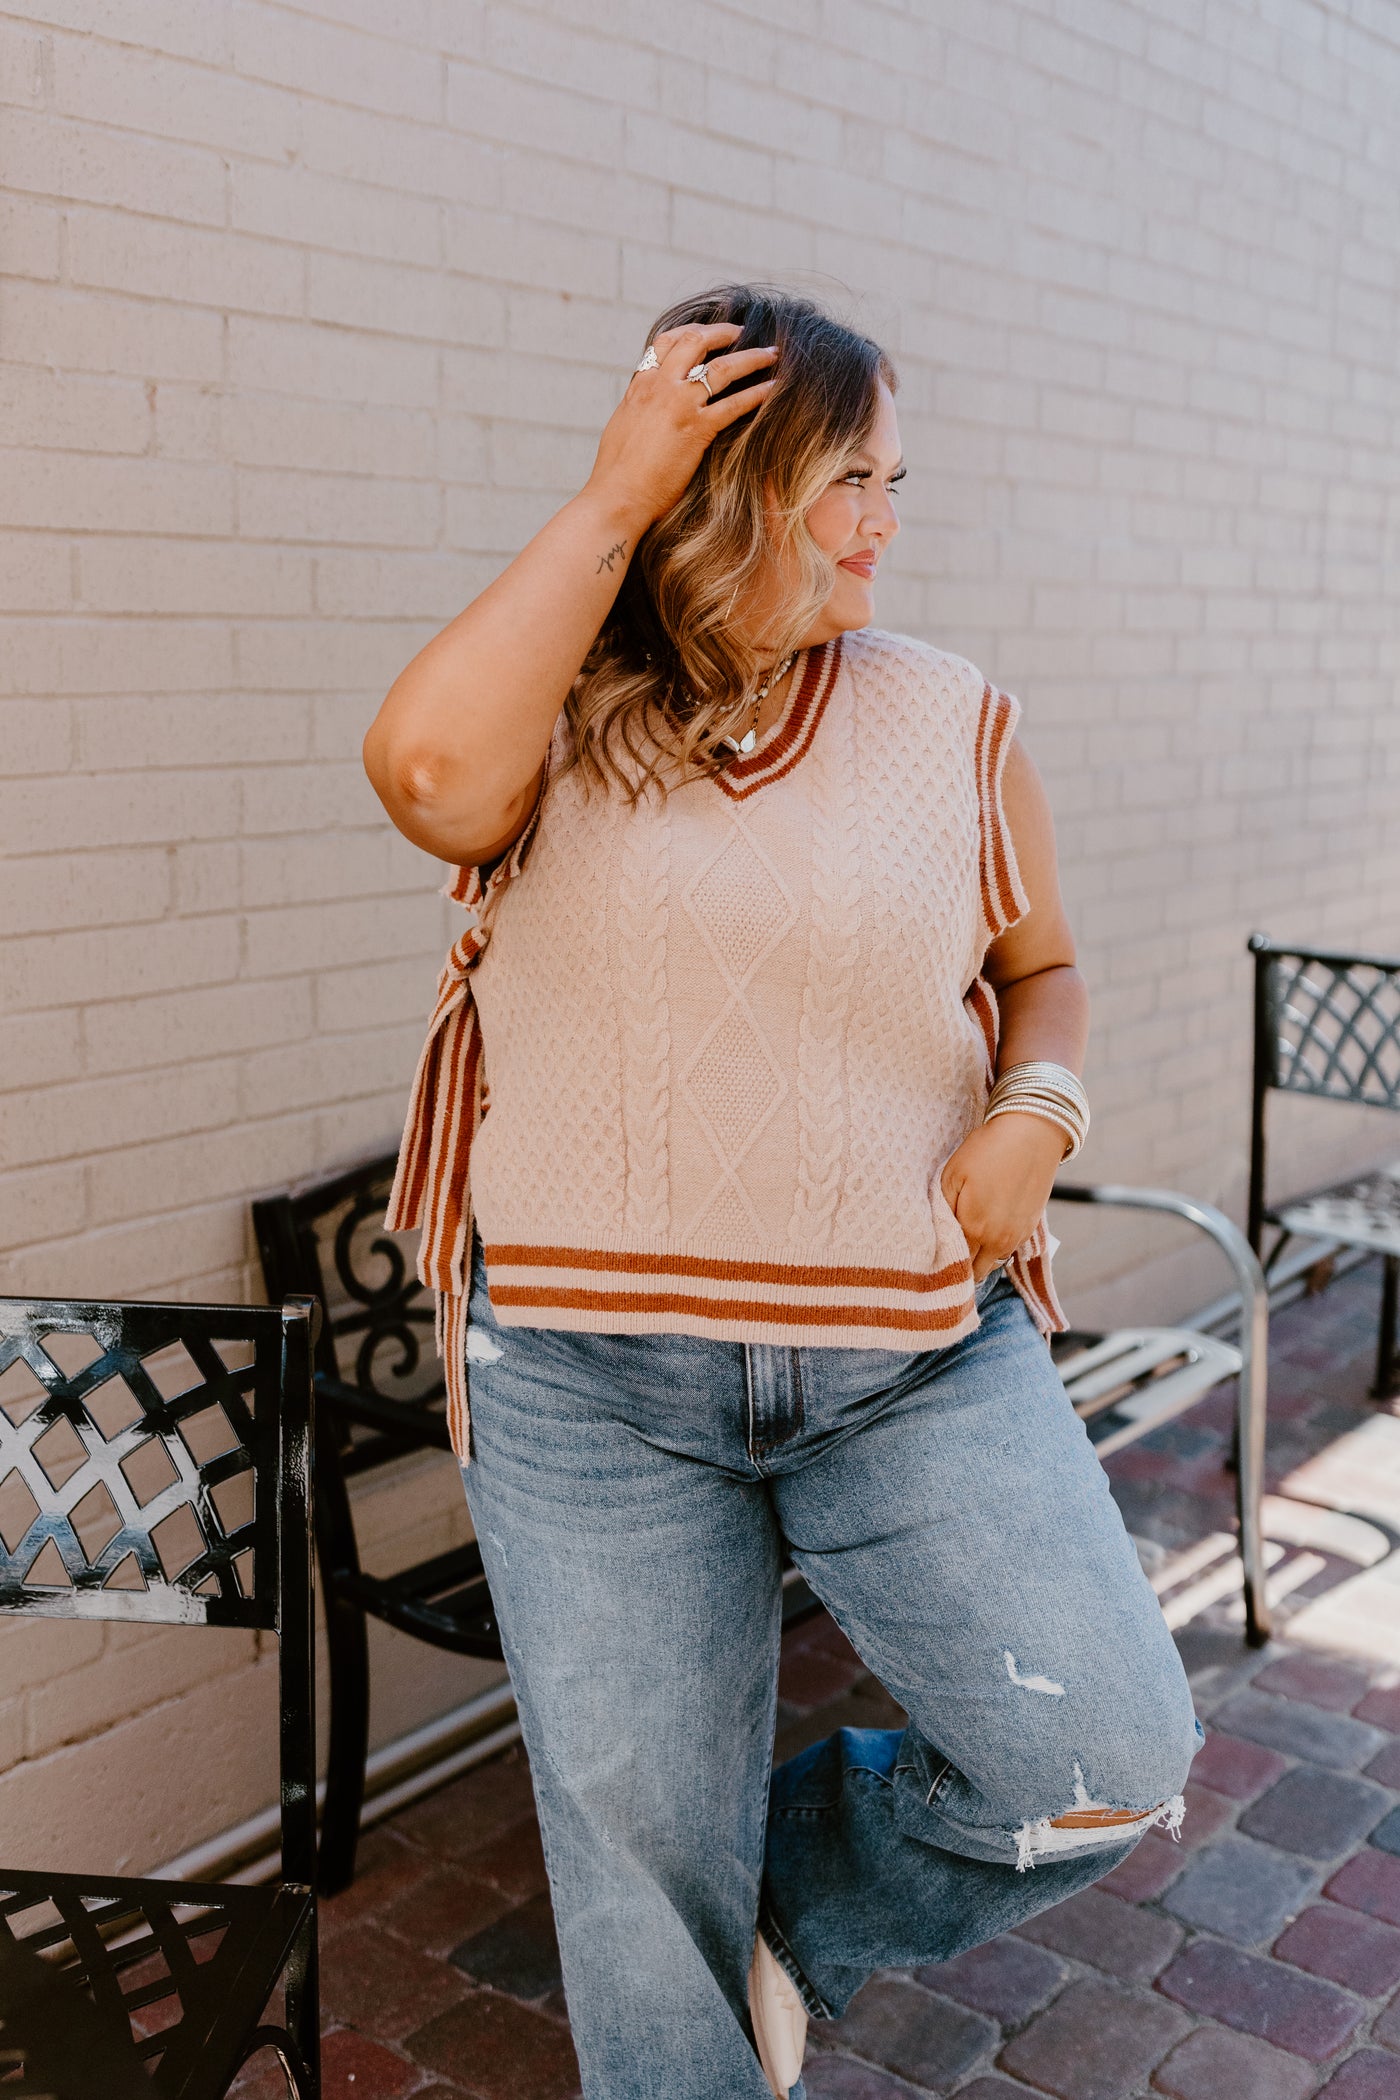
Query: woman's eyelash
point(863, 474)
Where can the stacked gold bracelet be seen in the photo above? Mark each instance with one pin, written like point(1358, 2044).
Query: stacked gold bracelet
point(1043, 1089)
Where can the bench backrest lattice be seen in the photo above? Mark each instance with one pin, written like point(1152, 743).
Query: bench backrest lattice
point(139, 1462)
point(1328, 1024)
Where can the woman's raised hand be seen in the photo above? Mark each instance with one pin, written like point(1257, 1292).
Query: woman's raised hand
point(661, 429)
point(456, 751)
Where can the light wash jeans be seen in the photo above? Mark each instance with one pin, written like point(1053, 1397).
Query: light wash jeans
point(631, 1494)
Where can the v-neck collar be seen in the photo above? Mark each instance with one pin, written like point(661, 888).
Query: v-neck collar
point(789, 739)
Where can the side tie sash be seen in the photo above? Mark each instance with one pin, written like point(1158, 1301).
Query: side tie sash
point(432, 1185)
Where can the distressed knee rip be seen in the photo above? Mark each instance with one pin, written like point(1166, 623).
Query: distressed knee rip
point(1087, 1823)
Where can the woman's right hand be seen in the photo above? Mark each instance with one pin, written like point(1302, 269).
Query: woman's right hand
point(664, 424)
point(455, 753)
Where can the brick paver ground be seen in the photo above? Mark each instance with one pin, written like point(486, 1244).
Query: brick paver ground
point(1257, 1959)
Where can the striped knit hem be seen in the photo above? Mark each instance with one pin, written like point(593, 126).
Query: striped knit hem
point(597, 1290)
point(806, 1305)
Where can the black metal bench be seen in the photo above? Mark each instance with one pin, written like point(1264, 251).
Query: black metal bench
point(1328, 1025)
point(155, 1468)
point(380, 1395)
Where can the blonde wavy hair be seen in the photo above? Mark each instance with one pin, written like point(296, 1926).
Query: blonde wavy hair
point(669, 674)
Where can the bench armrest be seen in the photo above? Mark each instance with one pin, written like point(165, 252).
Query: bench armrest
point(1254, 1354)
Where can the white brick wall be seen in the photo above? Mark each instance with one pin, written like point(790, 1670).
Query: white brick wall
point(313, 312)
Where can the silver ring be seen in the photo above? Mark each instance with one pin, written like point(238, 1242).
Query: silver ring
point(649, 361)
point(701, 373)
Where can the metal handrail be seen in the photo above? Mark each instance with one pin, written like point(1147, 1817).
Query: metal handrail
point(1253, 1390)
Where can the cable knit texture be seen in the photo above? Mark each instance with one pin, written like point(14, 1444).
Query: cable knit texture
point(728, 1034)
point(731, 1035)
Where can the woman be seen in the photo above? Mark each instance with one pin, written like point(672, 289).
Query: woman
point(771, 904)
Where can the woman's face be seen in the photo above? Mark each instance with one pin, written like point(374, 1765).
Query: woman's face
point(853, 521)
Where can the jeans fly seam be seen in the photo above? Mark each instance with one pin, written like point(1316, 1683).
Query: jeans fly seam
point(799, 1410)
point(748, 1400)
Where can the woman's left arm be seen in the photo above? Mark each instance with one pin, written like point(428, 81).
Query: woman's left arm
point(999, 1179)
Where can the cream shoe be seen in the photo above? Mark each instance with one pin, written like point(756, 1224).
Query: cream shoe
point(779, 2019)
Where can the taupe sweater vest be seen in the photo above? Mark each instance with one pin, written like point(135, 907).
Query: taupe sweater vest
point(710, 1054)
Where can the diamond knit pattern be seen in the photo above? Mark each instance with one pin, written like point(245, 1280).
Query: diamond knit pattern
point(724, 1032)
point(740, 908)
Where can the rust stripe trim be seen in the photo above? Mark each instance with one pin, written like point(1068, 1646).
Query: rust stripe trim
point(504, 1255)
point(447, 1189)
point(1001, 738)
point(981, 1001)
point(1038, 1278)
point(747, 776)
point(936, 1320)
point(1001, 903)
point(780, 772)
point(744, 767)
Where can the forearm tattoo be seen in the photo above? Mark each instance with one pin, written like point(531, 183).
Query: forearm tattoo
point(605, 561)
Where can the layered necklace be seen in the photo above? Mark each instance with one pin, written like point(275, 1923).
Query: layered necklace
point(746, 742)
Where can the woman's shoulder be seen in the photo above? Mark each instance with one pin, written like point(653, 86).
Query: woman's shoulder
point(905, 661)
